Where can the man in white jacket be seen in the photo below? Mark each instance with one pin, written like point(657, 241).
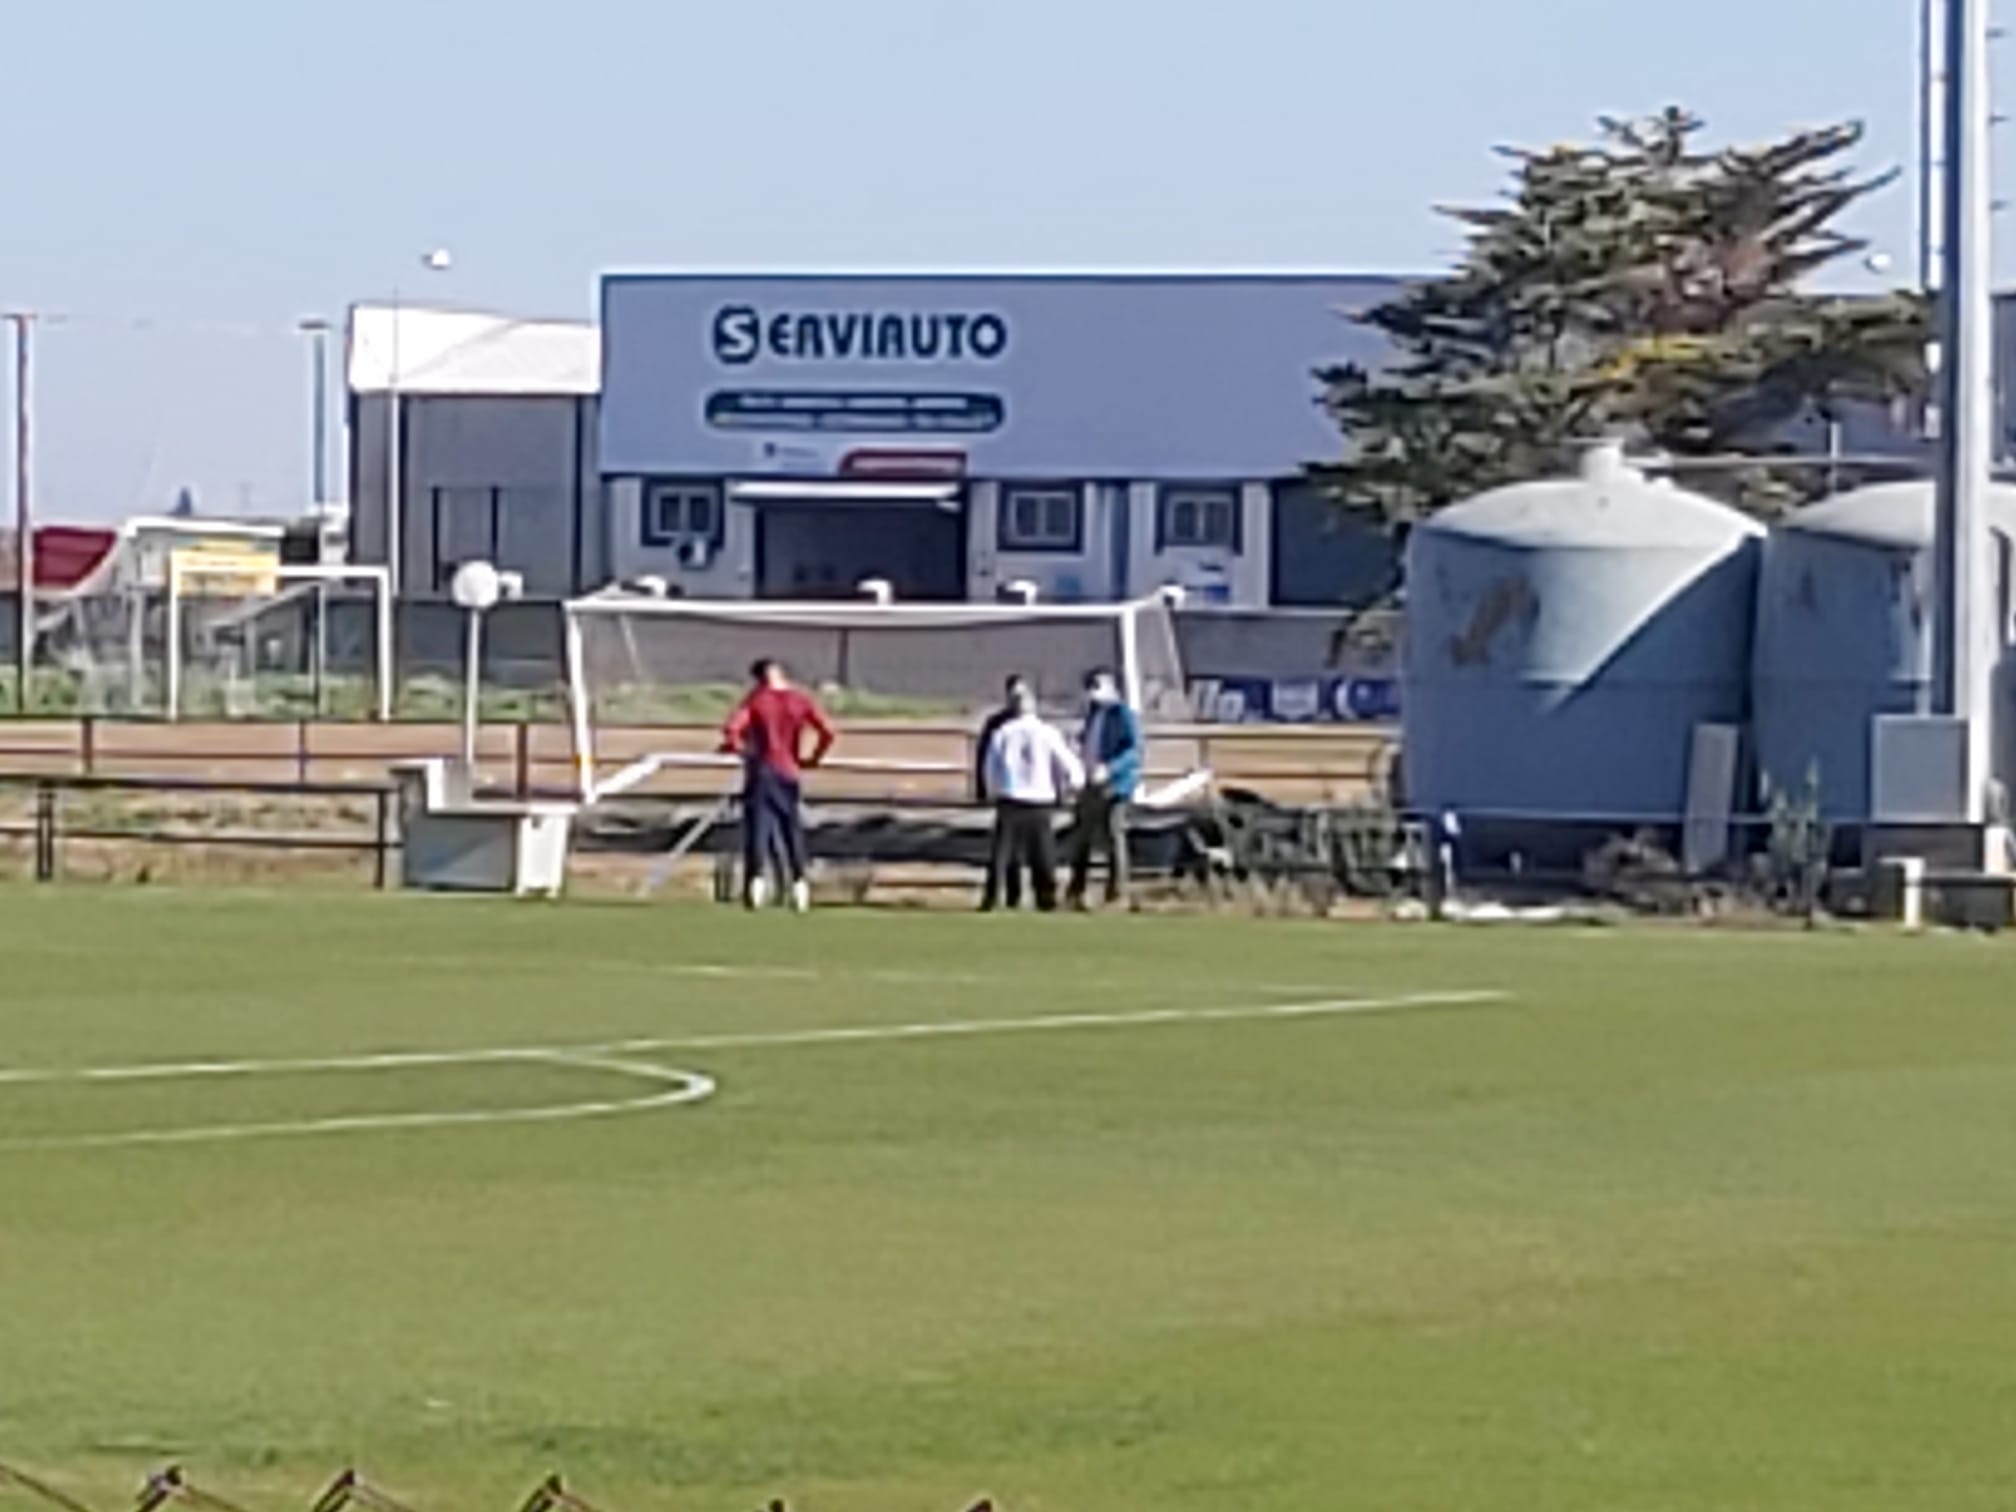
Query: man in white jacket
point(1031, 772)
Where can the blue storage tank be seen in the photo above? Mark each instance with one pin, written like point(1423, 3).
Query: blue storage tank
point(1564, 638)
point(1844, 632)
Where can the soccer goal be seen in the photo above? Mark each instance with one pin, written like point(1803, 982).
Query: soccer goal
point(312, 640)
point(209, 642)
point(639, 659)
point(201, 619)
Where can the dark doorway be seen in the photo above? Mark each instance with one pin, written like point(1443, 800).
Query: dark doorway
point(824, 549)
point(1325, 558)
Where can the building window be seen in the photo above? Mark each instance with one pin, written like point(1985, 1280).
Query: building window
point(1189, 516)
point(677, 514)
point(1050, 518)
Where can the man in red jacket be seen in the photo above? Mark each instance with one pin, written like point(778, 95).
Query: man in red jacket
point(767, 730)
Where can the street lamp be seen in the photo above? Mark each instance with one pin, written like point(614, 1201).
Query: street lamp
point(439, 260)
point(476, 589)
point(316, 329)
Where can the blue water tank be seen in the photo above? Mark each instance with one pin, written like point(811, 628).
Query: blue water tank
point(1844, 632)
point(1563, 640)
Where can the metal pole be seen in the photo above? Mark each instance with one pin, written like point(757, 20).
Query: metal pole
point(471, 695)
point(24, 518)
point(317, 332)
point(45, 833)
point(1931, 122)
point(319, 663)
point(384, 839)
point(171, 693)
point(387, 651)
point(395, 502)
point(580, 712)
point(1964, 634)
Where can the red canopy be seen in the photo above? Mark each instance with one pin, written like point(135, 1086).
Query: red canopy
point(65, 555)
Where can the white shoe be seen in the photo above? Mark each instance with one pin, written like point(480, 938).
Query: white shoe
point(801, 896)
point(759, 892)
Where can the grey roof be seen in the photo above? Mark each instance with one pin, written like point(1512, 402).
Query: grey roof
point(1897, 516)
point(1619, 511)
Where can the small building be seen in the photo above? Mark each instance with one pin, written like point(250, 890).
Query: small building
point(496, 439)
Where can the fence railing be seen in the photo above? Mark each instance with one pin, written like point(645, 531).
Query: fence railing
point(51, 821)
point(527, 757)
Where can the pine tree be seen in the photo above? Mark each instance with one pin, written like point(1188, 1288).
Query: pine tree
point(1642, 288)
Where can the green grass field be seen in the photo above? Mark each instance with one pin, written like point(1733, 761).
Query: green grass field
point(1686, 1220)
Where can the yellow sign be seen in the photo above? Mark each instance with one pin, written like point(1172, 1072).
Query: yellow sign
point(220, 571)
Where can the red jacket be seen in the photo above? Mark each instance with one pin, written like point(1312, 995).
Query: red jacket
point(769, 727)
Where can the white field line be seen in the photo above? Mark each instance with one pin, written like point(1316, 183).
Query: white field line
point(584, 1053)
point(741, 971)
point(678, 1089)
point(1053, 1022)
point(730, 971)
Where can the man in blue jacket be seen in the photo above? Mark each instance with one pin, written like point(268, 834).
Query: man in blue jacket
point(1112, 747)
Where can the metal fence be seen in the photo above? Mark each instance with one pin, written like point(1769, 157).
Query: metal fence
point(1312, 764)
point(52, 822)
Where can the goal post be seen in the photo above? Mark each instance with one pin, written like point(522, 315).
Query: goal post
point(238, 621)
point(180, 617)
point(639, 659)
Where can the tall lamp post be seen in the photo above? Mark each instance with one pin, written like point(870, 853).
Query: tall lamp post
point(316, 329)
point(440, 260)
point(1965, 637)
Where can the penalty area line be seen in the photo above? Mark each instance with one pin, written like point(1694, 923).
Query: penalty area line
point(1057, 1022)
point(671, 1087)
point(580, 1052)
point(675, 1088)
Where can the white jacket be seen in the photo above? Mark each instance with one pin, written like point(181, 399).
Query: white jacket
point(1029, 762)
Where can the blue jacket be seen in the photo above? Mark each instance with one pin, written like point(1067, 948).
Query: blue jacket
point(1112, 739)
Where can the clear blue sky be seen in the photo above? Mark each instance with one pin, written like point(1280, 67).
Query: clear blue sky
point(223, 167)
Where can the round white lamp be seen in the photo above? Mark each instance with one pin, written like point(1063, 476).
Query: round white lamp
point(477, 586)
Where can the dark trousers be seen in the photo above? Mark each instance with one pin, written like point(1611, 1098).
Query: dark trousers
point(773, 825)
point(1025, 836)
point(1099, 823)
point(1002, 886)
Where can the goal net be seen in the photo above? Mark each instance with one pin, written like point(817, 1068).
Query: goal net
point(636, 659)
point(214, 638)
point(310, 641)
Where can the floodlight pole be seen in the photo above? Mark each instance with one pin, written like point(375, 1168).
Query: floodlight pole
point(1932, 22)
point(316, 330)
point(437, 261)
point(1965, 637)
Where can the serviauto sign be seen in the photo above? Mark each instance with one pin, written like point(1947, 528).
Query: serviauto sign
point(741, 334)
point(1046, 376)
